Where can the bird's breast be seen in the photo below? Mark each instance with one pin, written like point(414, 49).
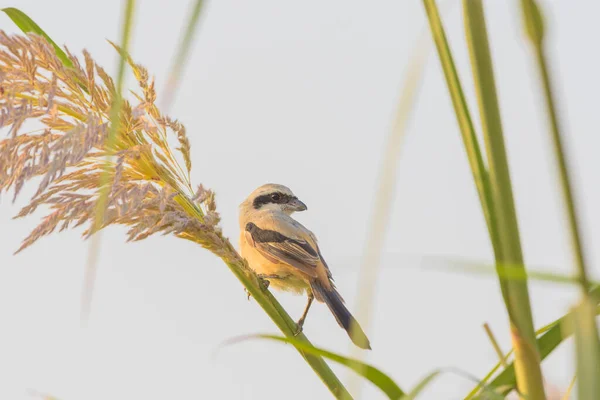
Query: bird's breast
point(280, 276)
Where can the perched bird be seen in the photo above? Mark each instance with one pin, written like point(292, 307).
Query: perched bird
point(283, 252)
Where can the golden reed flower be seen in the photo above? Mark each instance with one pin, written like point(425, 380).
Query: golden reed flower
point(145, 185)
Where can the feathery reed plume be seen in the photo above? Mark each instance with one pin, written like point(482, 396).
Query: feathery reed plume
point(133, 179)
point(148, 189)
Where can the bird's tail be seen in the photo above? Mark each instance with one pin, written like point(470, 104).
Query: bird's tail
point(336, 304)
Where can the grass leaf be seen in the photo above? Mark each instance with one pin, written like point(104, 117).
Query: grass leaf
point(587, 351)
point(183, 51)
point(27, 25)
point(527, 359)
point(372, 374)
point(552, 335)
point(588, 334)
point(429, 378)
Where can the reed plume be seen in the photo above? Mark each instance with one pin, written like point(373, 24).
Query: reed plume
point(147, 187)
point(92, 174)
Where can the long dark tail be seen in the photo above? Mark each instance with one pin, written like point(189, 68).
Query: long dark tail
point(336, 304)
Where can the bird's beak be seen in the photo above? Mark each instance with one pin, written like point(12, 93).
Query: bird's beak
point(297, 205)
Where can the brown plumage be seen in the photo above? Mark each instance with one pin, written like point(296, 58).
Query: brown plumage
point(281, 250)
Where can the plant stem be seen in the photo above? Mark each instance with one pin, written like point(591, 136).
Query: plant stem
point(588, 373)
point(274, 310)
point(527, 360)
point(465, 123)
point(531, 12)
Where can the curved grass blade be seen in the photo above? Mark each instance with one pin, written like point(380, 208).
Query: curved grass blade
point(27, 25)
point(553, 335)
point(182, 54)
point(372, 374)
point(429, 378)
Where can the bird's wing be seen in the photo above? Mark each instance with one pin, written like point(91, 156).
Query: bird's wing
point(279, 248)
point(314, 240)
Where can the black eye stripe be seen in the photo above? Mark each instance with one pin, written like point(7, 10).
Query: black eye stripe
point(268, 199)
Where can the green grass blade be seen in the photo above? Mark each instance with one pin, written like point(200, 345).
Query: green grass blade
point(588, 336)
point(429, 378)
point(587, 351)
point(115, 120)
point(288, 327)
point(27, 25)
point(554, 334)
point(557, 140)
point(533, 21)
point(463, 116)
point(507, 272)
point(495, 344)
point(372, 374)
point(182, 54)
point(423, 383)
point(527, 360)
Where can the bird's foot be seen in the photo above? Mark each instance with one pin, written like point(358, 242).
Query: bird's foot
point(247, 293)
point(299, 327)
point(264, 281)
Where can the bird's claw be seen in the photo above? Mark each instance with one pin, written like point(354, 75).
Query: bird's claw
point(299, 328)
point(247, 293)
point(265, 282)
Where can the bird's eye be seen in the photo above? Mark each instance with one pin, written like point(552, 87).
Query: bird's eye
point(276, 197)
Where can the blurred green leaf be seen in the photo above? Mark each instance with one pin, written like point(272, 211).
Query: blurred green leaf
point(507, 271)
point(587, 352)
point(182, 54)
point(553, 335)
point(27, 25)
point(533, 21)
point(428, 379)
point(115, 121)
point(372, 374)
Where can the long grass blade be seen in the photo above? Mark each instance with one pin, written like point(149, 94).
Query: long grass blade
point(527, 360)
point(465, 123)
point(183, 52)
point(552, 335)
point(508, 272)
point(429, 378)
point(92, 261)
point(534, 27)
point(495, 344)
point(587, 352)
point(27, 25)
point(370, 373)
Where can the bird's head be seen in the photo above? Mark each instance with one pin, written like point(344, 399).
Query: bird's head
point(274, 197)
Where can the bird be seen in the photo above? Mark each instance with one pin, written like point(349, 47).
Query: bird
point(286, 255)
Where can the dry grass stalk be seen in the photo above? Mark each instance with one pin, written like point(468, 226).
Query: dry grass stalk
point(148, 189)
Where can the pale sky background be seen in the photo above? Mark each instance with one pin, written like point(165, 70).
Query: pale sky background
point(303, 94)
